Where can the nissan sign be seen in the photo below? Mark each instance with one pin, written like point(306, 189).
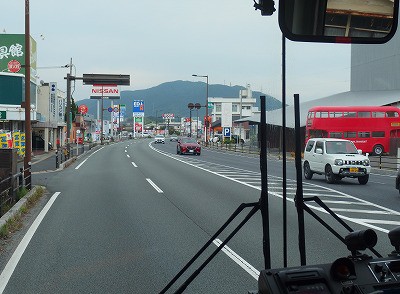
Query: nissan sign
point(105, 91)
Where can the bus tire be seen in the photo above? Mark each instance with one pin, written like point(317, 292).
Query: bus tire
point(330, 177)
point(363, 180)
point(308, 174)
point(378, 149)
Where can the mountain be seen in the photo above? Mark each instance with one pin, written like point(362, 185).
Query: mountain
point(173, 97)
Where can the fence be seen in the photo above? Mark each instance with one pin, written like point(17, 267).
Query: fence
point(241, 148)
point(385, 162)
point(9, 188)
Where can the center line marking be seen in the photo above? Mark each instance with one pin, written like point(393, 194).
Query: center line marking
point(134, 164)
point(155, 186)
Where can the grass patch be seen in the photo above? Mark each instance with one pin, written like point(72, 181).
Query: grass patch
point(15, 223)
point(22, 192)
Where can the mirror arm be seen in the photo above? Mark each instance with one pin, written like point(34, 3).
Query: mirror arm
point(267, 7)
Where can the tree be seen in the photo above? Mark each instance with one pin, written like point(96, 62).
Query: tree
point(74, 110)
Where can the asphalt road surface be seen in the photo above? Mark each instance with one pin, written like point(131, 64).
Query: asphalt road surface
point(127, 217)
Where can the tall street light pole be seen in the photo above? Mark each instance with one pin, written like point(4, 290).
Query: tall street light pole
point(28, 134)
point(68, 111)
point(206, 106)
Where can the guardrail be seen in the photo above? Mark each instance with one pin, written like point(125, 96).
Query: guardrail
point(232, 147)
point(386, 162)
point(9, 188)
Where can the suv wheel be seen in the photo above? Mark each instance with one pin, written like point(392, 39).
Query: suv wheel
point(308, 174)
point(363, 180)
point(330, 177)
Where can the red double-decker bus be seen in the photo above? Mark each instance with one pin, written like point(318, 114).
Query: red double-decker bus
point(369, 127)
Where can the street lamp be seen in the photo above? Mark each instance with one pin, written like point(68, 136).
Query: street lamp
point(206, 106)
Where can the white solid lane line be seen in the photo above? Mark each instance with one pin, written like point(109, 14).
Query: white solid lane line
point(81, 163)
point(15, 258)
point(239, 260)
point(155, 186)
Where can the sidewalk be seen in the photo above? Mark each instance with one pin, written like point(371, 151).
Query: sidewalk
point(46, 161)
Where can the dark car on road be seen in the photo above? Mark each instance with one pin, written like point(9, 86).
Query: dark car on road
point(188, 146)
point(398, 180)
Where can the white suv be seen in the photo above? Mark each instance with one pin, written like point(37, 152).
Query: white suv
point(159, 139)
point(336, 159)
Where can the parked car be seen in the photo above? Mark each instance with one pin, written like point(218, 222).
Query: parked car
point(106, 140)
point(188, 146)
point(159, 139)
point(336, 159)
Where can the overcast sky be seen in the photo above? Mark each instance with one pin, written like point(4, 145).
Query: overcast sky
point(161, 41)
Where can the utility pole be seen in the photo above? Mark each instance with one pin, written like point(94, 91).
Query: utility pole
point(28, 130)
point(68, 112)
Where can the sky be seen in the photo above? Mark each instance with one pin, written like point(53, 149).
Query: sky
point(162, 41)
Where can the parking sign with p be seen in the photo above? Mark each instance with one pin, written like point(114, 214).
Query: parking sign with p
point(227, 131)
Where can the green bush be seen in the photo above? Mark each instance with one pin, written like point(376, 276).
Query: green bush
point(21, 192)
point(229, 141)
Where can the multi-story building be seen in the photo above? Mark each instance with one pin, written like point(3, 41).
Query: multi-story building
point(226, 110)
point(50, 124)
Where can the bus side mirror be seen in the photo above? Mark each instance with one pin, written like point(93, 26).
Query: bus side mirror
point(339, 21)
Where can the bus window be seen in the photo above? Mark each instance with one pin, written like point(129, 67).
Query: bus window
point(318, 134)
point(395, 133)
point(379, 134)
point(310, 114)
point(392, 114)
point(364, 114)
point(335, 114)
point(364, 134)
point(350, 134)
point(335, 135)
point(350, 114)
point(378, 114)
point(321, 114)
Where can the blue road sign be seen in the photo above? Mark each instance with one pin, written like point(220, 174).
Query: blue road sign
point(227, 131)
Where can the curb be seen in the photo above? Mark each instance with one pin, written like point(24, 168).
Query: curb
point(15, 208)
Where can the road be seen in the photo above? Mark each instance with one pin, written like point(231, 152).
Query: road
point(128, 216)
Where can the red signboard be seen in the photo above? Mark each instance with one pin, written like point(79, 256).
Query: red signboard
point(14, 66)
point(83, 109)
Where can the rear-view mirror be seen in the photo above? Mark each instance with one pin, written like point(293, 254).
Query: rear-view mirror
point(339, 21)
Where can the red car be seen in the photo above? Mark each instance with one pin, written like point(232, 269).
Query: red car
point(188, 146)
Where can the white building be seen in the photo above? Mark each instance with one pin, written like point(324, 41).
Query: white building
point(226, 110)
point(51, 106)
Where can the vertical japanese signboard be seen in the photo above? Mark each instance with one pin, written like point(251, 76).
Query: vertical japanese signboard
point(12, 54)
point(138, 108)
point(138, 112)
point(138, 124)
point(52, 100)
